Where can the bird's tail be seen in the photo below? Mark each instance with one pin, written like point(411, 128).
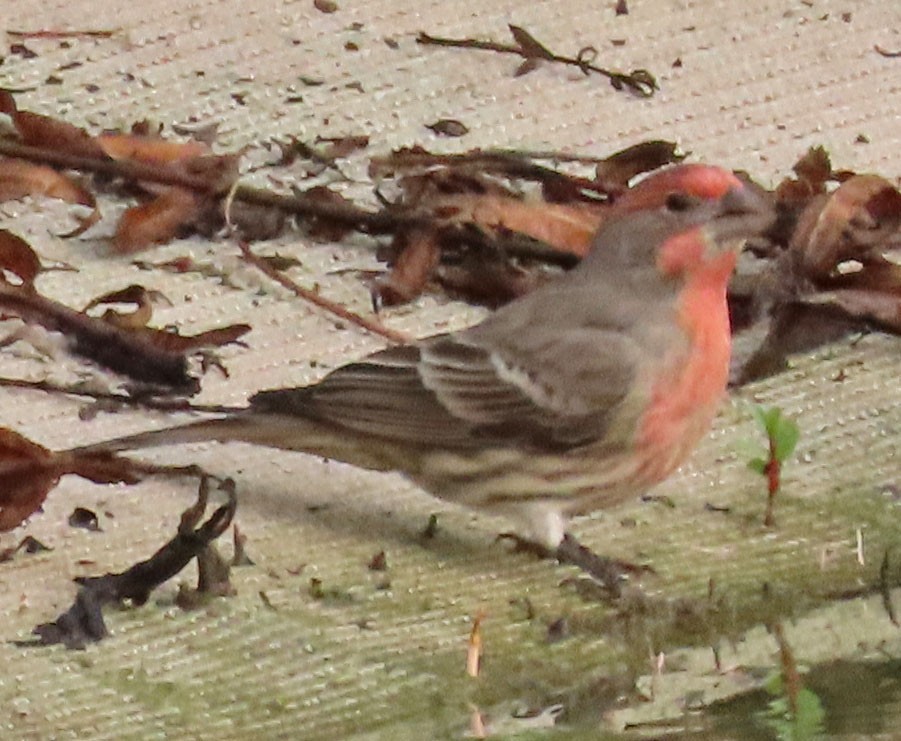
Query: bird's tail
point(220, 429)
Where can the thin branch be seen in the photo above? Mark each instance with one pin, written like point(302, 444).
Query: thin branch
point(639, 81)
point(306, 294)
point(49, 33)
point(139, 402)
point(373, 222)
point(370, 222)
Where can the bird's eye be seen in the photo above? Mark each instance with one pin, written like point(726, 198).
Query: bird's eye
point(679, 202)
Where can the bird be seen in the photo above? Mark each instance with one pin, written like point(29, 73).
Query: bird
point(576, 397)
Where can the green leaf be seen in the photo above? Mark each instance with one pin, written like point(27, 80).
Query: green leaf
point(758, 465)
point(786, 439)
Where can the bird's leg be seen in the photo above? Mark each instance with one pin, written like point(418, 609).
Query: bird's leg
point(608, 572)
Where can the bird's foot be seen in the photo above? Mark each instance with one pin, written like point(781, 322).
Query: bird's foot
point(610, 573)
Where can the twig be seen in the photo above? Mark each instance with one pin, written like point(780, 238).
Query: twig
point(639, 81)
point(369, 222)
point(373, 222)
point(306, 294)
point(53, 34)
point(142, 402)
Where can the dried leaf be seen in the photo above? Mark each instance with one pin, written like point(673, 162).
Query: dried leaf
point(122, 351)
point(28, 472)
point(158, 221)
point(137, 295)
point(342, 146)
point(529, 45)
point(813, 171)
point(17, 257)
point(152, 149)
point(419, 255)
point(617, 170)
point(176, 343)
point(19, 179)
point(38, 130)
point(448, 127)
point(321, 227)
point(861, 216)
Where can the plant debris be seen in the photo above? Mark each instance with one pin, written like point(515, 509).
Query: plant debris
point(119, 342)
point(638, 81)
point(83, 622)
point(486, 226)
point(448, 127)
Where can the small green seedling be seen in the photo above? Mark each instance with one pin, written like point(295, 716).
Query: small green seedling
point(782, 437)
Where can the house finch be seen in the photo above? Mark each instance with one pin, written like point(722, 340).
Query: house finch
point(575, 397)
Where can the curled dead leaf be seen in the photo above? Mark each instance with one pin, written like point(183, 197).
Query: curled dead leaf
point(28, 472)
point(418, 256)
point(137, 295)
point(852, 223)
point(616, 171)
point(158, 221)
point(37, 130)
point(153, 149)
point(17, 257)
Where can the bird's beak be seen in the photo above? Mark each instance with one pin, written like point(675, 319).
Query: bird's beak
point(744, 212)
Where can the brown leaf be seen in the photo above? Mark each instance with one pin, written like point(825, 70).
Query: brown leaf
point(137, 295)
point(158, 221)
point(342, 146)
point(28, 472)
point(419, 255)
point(565, 227)
point(19, 179)
point(38, 130)
point(448, 127)
point(528, 44)
point(619, 168)
point(17, 257)
point(813, 171)
point(151, 149)
point(176, 343)
point(861, 216)
point(324, 228)
point(122, 351)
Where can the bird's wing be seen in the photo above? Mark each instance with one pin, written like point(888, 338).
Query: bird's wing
point(455, 393)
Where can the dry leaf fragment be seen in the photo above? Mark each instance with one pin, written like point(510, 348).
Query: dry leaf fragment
point(29, 471)
point(19, 179)
point(617, 170)
point(151, 149)
point(863, 214)
point(417, 259)
point(38, 130)
point(474, 646)
point(450, 127)
point(17, 257)
point(137, 295)
point(158, 221)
